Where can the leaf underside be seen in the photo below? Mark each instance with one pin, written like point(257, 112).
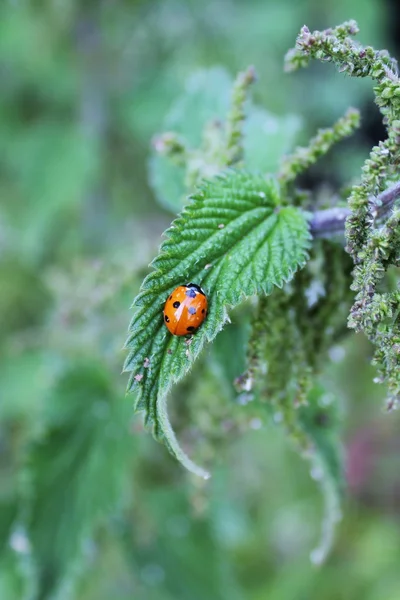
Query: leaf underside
point(234, 239)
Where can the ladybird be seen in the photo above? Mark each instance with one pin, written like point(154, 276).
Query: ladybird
point(185, 309)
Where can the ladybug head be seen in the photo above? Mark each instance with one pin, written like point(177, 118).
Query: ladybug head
point(196, 287)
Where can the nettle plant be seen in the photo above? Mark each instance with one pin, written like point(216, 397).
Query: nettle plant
point(243, 233)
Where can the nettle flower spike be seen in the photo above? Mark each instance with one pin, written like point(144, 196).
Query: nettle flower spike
point(372, 244)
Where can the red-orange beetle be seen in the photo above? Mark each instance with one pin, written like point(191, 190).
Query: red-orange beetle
point(185, 309)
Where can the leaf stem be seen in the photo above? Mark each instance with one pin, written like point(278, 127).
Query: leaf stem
point(171, 441)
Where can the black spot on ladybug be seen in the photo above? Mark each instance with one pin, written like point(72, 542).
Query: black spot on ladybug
point(191, 293)
point(190, 328)
point(202, 310)
point(166, 318)
point(192, 310)
point(176, 304)
point(170, 298)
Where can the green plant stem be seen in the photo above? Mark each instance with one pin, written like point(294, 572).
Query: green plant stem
point(305, 157)
point(236, 117)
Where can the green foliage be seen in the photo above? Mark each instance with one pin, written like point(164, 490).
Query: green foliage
point(199, 141)
point(85, 86)
point(86, 441)
point(206, 100)
point(373, 245)
point(12, 584)
point(285, 376)
point(292, 333)
point(236, 118)
point(17, 309)
point(304, 158)
point(321, 423)
point(310, 311)
point(235, 239)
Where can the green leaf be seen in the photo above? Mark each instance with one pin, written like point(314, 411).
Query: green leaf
point(14, 582)
point(267, 138)
point(87, 442)
point(168, 182)
point(234, 239)
point(206, 97)
point(321, 420)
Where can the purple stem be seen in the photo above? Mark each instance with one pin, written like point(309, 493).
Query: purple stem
point(327, 222)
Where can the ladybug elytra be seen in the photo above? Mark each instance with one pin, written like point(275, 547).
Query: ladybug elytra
point(185, 309)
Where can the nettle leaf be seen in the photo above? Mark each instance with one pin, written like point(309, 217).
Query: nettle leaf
point(268, 137)
point(87, 441)
point(235, 239)
point(207, 97)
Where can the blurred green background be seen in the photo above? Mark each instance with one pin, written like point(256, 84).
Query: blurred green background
point(92, 508)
